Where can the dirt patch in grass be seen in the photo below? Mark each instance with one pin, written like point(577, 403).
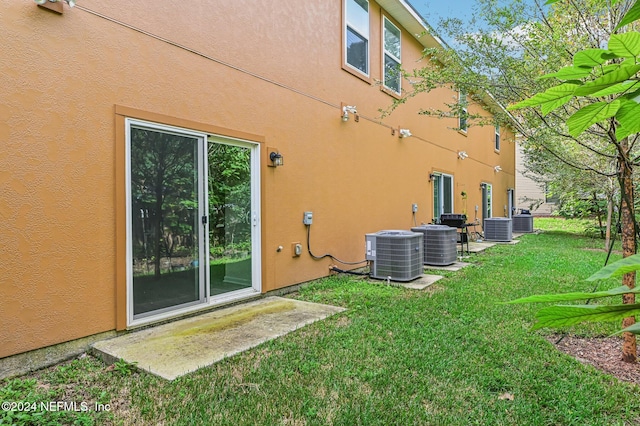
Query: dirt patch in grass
point(433, 288)
point(604, 353)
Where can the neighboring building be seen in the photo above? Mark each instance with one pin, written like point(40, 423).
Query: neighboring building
point(530, 194)
point(140, 142)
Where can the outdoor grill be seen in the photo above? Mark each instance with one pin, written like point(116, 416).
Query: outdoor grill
point(453, 220)
point(459, 221)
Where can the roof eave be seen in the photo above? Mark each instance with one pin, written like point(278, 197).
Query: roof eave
point(407, 16)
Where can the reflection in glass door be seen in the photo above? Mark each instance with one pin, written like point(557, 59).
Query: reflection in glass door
point(193, 228)
point(165, 219)
point(230, 217)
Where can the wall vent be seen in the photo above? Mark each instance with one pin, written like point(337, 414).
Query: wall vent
point(497, 229)
point(440, 244)
point(395, 255)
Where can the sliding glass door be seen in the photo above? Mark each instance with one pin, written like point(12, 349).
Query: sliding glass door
point(165, 219)
point(442, 195)
point(487, 201)
point(230, 214)
point(193, 219)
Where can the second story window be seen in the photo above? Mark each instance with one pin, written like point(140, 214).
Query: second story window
point(497, 140)
point(357, 35)
point(392, 56)
point(462, 120)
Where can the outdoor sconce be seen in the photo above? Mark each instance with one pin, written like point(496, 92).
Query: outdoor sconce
point(432, 176)
point(346, 109)
point(276, 158)
point(462, 155)
point(404, 133)
point(497, 169)
point(54, 5)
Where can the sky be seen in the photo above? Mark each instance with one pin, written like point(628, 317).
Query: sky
point(433, 10)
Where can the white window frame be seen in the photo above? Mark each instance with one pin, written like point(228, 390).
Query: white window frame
point(359, 31)
point(496, 144)
point(463, 119)
point(385, 52)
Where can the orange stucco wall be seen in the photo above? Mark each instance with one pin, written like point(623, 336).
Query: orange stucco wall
point(271, 72)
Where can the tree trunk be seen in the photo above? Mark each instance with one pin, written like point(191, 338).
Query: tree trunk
point(628, 249)
point(607, 235)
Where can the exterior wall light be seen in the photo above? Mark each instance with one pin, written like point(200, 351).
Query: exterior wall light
point(346, 109)
point(497, 169)
point(404, 133)
point(462, 155)
point(432, 176)
point(54, 5)
point(276, 158)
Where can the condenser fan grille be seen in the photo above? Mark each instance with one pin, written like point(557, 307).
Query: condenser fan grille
point(397, 255)
point(523, 223)
point(497, 229)
point(440, 241)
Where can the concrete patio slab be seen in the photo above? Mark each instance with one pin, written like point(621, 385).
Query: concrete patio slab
point(452, 268)
point(177, 348)
point(477, 247)
point(421, 283)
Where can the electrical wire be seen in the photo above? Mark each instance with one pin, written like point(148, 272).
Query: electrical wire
point(342, 271)
point(259, 76)
point(326, 254)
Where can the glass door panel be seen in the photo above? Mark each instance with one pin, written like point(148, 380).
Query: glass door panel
point(447, 193)
point(486, 201)
point(437, 205)
point(230, 217)
point(165, 219)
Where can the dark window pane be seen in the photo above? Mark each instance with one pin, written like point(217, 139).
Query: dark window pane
point(357, 51)
point(391, 74)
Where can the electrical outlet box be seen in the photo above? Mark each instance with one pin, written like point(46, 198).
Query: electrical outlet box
point(307, 218)
point(296, 249)
point(414, 207)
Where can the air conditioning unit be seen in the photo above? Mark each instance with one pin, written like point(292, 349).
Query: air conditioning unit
point(522, 223)
point(440, 244)
point(395, 255)
point(497, 229)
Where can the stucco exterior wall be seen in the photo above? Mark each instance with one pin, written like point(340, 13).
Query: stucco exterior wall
point(271, 72)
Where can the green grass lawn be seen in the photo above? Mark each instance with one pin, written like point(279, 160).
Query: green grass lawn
point(450, 355)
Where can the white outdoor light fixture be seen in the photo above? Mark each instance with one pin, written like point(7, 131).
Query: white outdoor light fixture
point(462, 155)
point(404, 133)
point(497, 169)
point(346, 109)
point(71, 3)
point(54, 5)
